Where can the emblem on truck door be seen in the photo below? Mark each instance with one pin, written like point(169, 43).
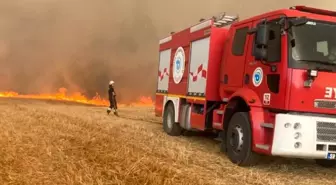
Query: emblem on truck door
point(178, 65)
point(257, 76)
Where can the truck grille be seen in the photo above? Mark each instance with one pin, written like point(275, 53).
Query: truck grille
point(326, 131)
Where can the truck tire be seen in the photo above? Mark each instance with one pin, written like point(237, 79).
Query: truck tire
point(222, 147)
point(239, 140)
point(169, 125)
point(325, 163)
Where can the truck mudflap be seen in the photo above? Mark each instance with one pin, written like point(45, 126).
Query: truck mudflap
point(304, 136)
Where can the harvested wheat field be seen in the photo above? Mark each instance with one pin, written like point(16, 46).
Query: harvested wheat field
point(47, 142)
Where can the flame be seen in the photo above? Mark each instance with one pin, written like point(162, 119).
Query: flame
point(62, 95)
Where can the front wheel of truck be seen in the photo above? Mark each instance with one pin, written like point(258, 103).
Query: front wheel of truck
point(239, 140)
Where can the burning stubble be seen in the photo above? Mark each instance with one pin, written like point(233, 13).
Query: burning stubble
point(82, 44)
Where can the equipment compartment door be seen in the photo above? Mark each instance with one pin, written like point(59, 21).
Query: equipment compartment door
point(199, 57)
point(163, 74)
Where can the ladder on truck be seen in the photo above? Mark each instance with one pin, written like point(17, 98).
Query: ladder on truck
point(222, 20)
point(219, 21)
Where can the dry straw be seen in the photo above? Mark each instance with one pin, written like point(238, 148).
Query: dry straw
point(55, 143)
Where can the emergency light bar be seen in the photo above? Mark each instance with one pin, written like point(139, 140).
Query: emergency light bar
point(224, 20)
point(313, 10)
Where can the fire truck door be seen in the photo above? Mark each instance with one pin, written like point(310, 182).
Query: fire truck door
point(264, 79)
point(234, 58)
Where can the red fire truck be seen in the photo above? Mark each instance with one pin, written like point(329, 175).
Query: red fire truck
point(266, 84)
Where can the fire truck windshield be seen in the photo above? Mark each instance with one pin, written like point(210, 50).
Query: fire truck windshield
point(313, 46)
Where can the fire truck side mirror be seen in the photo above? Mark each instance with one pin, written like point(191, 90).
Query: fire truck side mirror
point(260, 54)
point(261, 41)
point(262, 35)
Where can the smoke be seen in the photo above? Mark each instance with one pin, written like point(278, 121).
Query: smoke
point(82, 44)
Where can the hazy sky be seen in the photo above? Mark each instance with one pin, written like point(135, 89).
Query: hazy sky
point(82, 44)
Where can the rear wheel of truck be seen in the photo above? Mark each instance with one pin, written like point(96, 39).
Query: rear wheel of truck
point(169, 125)
point(325, 163)
point(239, 140)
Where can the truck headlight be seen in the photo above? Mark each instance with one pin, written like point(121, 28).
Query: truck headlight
point(297, 126)
point(297, 145)
point(297, 135)
point(287, 125)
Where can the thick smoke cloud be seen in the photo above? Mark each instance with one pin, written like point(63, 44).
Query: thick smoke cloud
point(82, 44)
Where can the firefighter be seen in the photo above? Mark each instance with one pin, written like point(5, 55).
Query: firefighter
point(112, 98)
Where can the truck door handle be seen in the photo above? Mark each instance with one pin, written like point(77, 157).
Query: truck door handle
point(273, 68)
point(226, 79)
point(247, 79)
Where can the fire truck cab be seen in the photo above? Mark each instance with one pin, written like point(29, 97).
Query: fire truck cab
point(266, 84)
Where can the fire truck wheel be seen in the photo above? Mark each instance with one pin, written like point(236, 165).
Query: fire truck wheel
point(169, 125)
point(239, 140)
point(325, 163)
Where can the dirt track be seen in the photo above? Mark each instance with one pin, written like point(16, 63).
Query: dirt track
point(55, 143)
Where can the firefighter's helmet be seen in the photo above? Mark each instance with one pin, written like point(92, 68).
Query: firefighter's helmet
point(111, 82)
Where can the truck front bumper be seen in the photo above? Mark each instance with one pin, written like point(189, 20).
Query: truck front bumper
point(304, 136)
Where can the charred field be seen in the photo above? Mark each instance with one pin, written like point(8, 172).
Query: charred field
point(51, 142)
